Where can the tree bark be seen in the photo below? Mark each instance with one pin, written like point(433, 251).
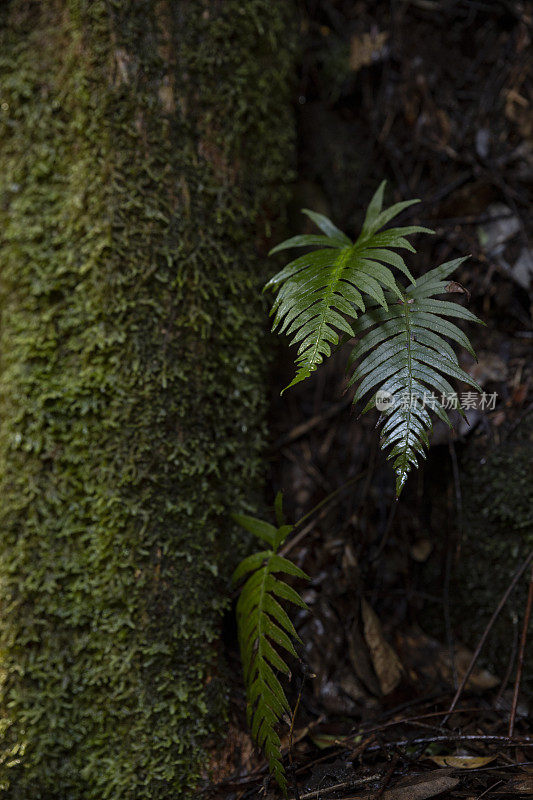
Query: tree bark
point(145, 148)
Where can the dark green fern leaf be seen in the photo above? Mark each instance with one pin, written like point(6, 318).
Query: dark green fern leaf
point(320, 291)
point(264, 630)
point(405, 359)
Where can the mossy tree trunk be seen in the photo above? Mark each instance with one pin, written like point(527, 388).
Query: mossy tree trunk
point(144, 146)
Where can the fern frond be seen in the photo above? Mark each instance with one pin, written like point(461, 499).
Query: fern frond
point(264, 630)
point(318, 292)
point(406, 358)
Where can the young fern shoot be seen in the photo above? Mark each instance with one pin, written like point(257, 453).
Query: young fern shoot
point(319, 292)
point(264, 627)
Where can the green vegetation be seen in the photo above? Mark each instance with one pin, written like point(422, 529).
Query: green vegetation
point(262, 624)
point(142, 146)
point(346, 287)
point(316, 289)
point(406, 356)
point(497, 492)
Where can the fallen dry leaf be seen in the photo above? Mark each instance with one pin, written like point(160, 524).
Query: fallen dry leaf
point(522, 784)
point(421, 550)
point(498, 419)
point(519, 394)
point(324, 740)
point(455, 286)
point(350, 684)
point(367, 48)
point(420, 787)
point(387, 665)
point(360, 659)
point(489, 368)
point(462, 762)
point(430, 659)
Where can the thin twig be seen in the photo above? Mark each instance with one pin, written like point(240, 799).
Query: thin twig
point(386, 780)
point(486, 632)
point(447, 615)
point(510, 665)
point(411, 720)
point(457, 487)
point(355, 752)
point(480, 219)
point(448, 564)
point(490, 788)
point(344, 785)
point(520, 666)
point(503, 741)
point(385, 537)
point(294, 781)
point(529, 408)
point(303, 533)
point(293, 719)
point(304, 427)
point(330, 497)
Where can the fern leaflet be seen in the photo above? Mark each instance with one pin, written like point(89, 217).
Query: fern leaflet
point(406, 359)
point(317, 291)
point(262, 625)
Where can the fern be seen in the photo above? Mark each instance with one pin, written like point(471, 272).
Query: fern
point(317, 291)
point(262, 625)
point(349, 288)
point(406, 356)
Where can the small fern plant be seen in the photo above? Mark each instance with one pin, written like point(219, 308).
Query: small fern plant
point(264, 628)
point(349, 288)
point(319, 292)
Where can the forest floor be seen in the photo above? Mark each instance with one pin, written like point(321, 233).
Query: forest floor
point(420, 688)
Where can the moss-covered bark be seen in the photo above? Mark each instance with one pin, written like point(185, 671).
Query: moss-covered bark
point(497, 491)
point(142, 147)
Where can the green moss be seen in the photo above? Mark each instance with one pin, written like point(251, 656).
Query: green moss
point(497, 492)
point(143, 145)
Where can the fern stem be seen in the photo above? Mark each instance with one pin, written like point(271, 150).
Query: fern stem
point(302, 534)
point(260, 632)
point(293, 720)
point(409, 367)
point(330, 497)
point(326, 302)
